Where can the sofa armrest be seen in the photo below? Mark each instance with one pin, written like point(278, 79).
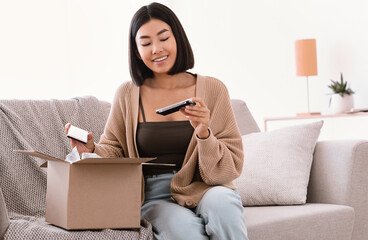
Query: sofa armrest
point(339, 175)
point(4, 219)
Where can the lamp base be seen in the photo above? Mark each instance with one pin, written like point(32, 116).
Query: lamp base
point(308, 114)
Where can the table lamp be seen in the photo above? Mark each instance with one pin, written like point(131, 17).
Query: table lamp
point(306, 63)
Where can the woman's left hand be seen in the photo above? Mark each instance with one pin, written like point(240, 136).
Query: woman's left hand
point(199, 117)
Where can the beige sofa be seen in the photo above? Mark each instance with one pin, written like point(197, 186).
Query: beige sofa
point(337, 199)
point(336, 202)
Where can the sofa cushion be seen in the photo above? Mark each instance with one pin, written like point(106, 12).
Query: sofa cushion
point(277, 165)
point(305, 222)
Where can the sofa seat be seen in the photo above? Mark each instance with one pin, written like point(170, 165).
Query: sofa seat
point(33, 228)
point(300, 222)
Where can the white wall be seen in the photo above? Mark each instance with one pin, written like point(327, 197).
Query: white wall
point(62, 49)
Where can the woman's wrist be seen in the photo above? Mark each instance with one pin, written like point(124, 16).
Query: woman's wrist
point(205, 135)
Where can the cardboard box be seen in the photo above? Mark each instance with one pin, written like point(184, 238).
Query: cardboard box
point(93, 193)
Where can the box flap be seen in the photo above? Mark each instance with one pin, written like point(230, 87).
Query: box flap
point(93, 160)
point(160, 164)
point(143, 161)
point(113, 160)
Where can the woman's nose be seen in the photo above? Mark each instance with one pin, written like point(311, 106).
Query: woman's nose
point(157, 48)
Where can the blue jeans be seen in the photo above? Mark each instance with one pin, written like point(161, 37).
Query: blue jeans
point(219, 215)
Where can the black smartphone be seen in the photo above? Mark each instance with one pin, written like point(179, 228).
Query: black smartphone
point(174, 107)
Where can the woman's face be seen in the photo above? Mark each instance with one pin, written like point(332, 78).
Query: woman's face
point(156, 46)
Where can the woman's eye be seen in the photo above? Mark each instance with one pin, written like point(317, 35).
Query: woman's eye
point(145, 44)
point(163, 40)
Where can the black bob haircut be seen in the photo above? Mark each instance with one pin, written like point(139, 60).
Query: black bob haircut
point(184, 58)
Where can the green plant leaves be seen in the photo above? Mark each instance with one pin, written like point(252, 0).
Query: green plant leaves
point(340, 87)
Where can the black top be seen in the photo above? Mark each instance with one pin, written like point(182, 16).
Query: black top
point(167, 141)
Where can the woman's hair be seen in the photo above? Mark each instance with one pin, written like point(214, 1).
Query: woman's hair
point(184, 59)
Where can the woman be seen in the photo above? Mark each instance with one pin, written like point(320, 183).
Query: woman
point(196, 199)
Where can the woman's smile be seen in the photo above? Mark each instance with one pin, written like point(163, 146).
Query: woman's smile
point(160, 60)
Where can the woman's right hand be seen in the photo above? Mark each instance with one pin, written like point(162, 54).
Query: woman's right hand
point(89, 147)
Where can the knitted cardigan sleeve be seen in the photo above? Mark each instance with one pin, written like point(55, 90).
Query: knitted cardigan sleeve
point(220, 156)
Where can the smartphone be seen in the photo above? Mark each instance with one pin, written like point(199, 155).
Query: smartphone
point(77, 134)
point(174, 107)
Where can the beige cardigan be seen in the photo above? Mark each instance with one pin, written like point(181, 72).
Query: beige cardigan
point(217, 160)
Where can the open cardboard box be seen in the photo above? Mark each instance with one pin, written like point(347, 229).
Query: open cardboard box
point(93, 193)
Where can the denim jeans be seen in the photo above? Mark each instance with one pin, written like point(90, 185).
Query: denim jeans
point(219, 214)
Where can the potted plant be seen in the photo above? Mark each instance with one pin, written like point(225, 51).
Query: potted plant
point(342, 98)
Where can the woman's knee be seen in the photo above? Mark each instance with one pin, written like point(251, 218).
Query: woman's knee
point(223, 214)
point(171, 221)
point(221, 199)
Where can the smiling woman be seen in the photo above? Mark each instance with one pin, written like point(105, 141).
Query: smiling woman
point(195, 197)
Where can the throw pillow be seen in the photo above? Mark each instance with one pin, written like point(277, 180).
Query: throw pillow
point(277, 165)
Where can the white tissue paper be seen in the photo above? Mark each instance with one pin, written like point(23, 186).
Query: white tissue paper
point(74, 156)
point(90, 155)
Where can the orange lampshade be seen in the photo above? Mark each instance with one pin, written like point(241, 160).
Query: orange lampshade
point(306, 57)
